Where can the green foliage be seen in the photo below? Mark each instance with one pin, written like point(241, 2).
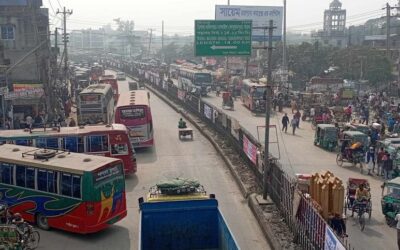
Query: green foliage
point(307, 60)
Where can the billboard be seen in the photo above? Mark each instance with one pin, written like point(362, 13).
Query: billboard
point(260, 15)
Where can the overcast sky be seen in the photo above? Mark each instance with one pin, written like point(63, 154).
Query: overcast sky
point(179, 15)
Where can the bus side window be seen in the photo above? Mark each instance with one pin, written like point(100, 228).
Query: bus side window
point(20, 176)
point(6, 173)
point(23, 142)
point(76, 186)
point(52, 142)
point(30, 178)
point(42, 180)
point(40, 142)
point(71, 144)
point(52, 182)
point(66, 184)
point(97, 143)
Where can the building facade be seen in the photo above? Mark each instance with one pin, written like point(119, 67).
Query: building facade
point(24, 56)
point(334, 30)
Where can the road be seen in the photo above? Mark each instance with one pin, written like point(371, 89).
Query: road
point(169, 158)
point(299, 155)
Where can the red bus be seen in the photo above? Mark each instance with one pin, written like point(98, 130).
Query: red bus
point(109, 79)
point(56, 189)
point(252, 95)
point(133, 110)
point(106, 140)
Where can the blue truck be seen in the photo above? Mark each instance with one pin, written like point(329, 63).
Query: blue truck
point(181, 223)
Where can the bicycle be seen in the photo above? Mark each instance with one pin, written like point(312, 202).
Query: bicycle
point(361, 218)
point(30, 237)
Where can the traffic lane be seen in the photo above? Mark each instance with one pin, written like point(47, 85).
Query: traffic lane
point(299, 155)
point(169, 158)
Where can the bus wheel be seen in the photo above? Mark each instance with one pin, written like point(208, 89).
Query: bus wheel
point(42, 222)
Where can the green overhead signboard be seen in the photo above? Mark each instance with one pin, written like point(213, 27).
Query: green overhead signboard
point(223, 38)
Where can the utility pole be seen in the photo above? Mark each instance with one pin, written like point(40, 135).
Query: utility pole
point(268, 110)
point(227, 61)
point(65, 12)
point(387, 30)
point(284, 59)
point(162, 40)
point(151, 35)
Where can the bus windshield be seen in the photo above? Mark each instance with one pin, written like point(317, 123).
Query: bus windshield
point(201, 78)
point(132, 113)
point(258, 93)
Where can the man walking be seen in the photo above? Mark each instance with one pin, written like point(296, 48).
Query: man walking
point(285, 122)
point(293, 123)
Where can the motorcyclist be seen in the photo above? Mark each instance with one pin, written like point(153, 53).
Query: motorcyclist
point(362, 195)
point(182, 123)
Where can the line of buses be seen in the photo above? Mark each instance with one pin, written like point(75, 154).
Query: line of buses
point(59, 177)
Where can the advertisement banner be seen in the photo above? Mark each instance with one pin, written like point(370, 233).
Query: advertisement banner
point(208, 111)
point(331, 242)
point(260, 15)
point(25, 94)
point(250, 149)
point(25, 86)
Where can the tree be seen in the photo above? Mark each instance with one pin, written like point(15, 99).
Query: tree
point(170, 53)
point(362, 62)
point(187, 52)
point(126, 30)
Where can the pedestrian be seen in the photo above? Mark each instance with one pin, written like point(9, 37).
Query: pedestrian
point(280, 104)
point(293, 123)
point(72, 122)
point(387, 166)
point(298, 116)
point(29, 122)
point(293, 104)
point(348, 111)
point(371, 160)
point(397, 218)
point(285, 122)
point(379, 158)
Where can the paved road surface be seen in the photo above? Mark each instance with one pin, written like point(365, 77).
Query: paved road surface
point(169, 158)
point(299, 155)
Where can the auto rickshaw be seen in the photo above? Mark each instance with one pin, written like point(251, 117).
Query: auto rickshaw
point(227, 101)
point(357, 127)
point(353, 146)
point(391, 200)
point(326, 136)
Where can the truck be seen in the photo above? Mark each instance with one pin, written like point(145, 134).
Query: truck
point(183, 221)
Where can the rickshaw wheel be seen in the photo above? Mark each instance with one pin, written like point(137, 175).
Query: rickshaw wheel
point(339, 160)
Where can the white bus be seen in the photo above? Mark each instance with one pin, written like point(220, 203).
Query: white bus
point(96, 104)
point(197, 82)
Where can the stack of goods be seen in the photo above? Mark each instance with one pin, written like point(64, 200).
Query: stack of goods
point(328, 191)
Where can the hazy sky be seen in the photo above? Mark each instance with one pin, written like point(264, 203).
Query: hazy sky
point(179, 15)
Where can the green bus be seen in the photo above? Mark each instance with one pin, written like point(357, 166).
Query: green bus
point(56, 189)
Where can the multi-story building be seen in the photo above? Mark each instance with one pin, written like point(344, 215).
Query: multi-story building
point(24, 54)
point(334, 30)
